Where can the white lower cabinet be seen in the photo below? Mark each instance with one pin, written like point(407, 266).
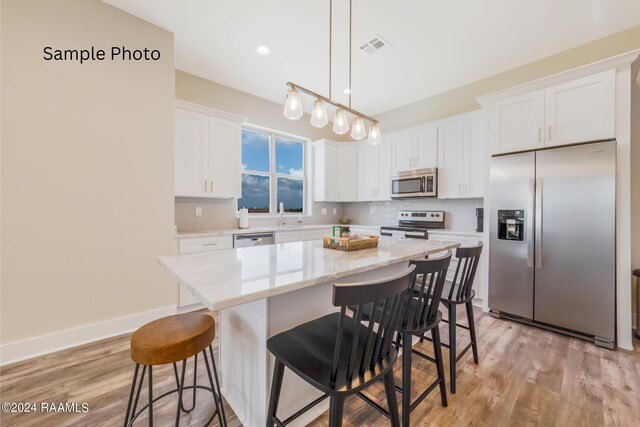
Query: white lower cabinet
point(199, 244)
point(465, 240)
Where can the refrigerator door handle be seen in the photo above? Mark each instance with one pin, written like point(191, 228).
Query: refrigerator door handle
point(538, 223)
point(531, 207)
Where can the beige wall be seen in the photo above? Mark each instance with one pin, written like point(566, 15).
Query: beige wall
point(462, 99)
point(87, 169)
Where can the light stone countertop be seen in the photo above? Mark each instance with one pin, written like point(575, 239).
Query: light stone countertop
point(226, 278)
point(231, 231)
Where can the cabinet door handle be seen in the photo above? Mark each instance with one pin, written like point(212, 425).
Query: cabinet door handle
point(205, 186)
point(211, 186)
point(539, 134)
point(550, 128)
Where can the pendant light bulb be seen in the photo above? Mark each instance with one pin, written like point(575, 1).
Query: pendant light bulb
point(319, 117)
point(358, 130)
point(375, 137)
point(293, 105)
point(341, 123)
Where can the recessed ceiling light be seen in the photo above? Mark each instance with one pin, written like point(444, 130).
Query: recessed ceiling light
point(263, 50)
point(347, 91)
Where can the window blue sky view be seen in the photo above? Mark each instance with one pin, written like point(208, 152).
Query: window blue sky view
point(289, 161)
point(289, 157)
point(290, 193)
point(255, 193)
point(255, 151)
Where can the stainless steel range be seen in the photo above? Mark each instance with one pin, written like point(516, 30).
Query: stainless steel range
point(415, 224)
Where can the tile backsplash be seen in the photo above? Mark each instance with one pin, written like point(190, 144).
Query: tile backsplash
point(460, 214)
point(221, 214)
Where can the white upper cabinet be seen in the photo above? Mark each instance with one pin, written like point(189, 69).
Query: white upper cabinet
point(225, 156)
point(404, 152)
point(416, 149)
point(475, 155)
point(375, 171)
point(427, 147)
point(518, 123)
point(369, 158)
point(347, 173)
point(207, 152)
point(574, 111)
point(451, 173)
point(581, 110)
point(191, 153)
point(461, 151)
point(335, 171)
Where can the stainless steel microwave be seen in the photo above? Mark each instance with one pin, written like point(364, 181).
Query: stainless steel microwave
point(415, 183)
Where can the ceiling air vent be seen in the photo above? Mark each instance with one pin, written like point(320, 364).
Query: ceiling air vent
point(376, 45)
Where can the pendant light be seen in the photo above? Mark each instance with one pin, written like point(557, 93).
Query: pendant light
point(319, 117)
point(293, 105)
point(340, 122)
point(358, 130)
point(375, 137)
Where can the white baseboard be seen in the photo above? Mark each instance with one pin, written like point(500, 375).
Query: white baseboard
point(37, 346)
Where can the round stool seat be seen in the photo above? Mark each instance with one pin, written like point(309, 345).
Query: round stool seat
point(172, 338)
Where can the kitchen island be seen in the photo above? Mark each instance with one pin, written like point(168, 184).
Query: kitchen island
point(261, 291)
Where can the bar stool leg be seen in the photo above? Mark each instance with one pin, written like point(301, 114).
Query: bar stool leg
point(392, 402)
point(216, 399)
point(276, 387)
point(437, 350)
point(472, 331)
point(406, 380)
point(215, 375)
point(452, 346)
point(133, 388)
point(336, 411)
point(150, 396)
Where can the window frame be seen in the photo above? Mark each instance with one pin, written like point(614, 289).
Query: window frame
point(273, 174)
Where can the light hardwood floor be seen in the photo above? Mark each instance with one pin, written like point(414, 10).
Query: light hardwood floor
point(526, 376)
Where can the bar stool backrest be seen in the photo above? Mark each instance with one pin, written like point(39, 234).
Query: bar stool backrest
point(422, 309)
point(382, 300)
point(468, 259)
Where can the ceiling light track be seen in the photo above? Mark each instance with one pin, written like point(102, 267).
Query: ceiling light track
point(330, 101)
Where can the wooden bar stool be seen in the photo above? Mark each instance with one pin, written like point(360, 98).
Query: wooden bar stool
point(458, 292)
point(170, 340)
point(421, 315)
point(338, 354)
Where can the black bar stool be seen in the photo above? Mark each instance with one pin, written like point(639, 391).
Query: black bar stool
point(169, 340)
point(457, 292)
point(421, 315)
point(339, 355)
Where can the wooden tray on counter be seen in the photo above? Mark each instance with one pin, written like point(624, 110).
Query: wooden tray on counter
point(349, 244)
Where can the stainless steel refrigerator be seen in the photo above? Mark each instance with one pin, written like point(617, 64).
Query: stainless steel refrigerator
point(552, 245)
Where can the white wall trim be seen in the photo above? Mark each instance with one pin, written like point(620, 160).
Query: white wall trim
point(31, 347)
point(186, 105)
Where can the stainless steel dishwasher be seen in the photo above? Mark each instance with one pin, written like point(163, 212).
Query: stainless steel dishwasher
point(253, 239)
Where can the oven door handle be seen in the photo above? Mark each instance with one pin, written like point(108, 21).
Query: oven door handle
point(422, 184)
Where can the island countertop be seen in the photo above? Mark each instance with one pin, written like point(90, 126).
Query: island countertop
point(223, 279)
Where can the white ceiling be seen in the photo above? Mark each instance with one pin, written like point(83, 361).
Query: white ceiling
point(438, 45)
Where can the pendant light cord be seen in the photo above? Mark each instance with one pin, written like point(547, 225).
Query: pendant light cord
point(330, 41)
point(350, 25)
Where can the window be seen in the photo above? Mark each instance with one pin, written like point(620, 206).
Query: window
point(272, 173)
